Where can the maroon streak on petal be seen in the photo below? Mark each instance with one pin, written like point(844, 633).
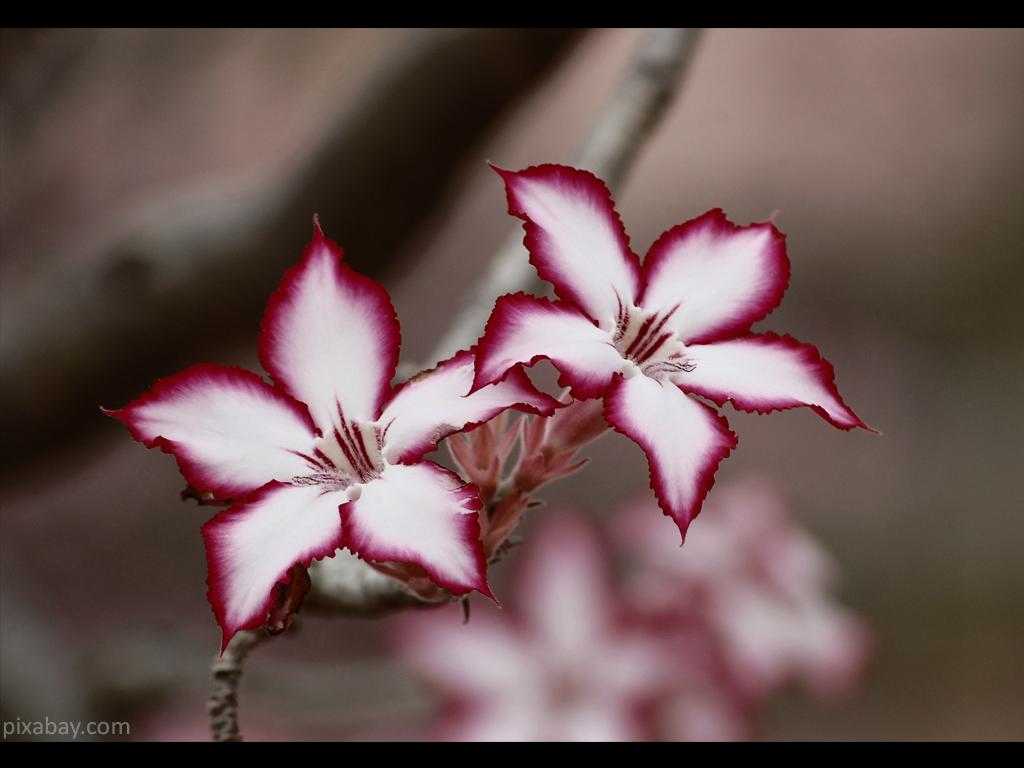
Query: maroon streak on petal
point(524, 329)
point(684, 439)
point(230, 431)
point(434, 404)
point(330, 337)
point(575, 238)
point(251, 546)
point(420, 514)
point(767, 372)
point(716, 278)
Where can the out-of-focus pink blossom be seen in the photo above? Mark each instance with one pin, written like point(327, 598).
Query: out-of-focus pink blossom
point(758, 584)
point(559, 664)
point(690, 646)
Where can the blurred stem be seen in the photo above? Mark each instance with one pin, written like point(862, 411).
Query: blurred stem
point(608, 152)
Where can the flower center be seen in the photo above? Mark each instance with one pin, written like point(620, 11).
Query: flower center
point(350, 454)
point(645, 341)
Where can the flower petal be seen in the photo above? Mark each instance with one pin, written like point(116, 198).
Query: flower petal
point(564, 595)
point(251, 546)
point(434, 404)
point(420, 514)
point(684, 439)
point(575, 238)
point(230, 431)
point(714, 277)
point(767, 372)
point(523, 329)
point(330, 337)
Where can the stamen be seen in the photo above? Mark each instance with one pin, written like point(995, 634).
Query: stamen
point(647, 350)
point(640, 337)
point(324, 458)
point(343, 444)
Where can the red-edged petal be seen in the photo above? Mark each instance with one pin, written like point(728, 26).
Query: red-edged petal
point(330, 337)
point(435, 404)
point(420, 514)
point(230, 431)
point(524, 329)
point(684, 439)
point(767, 372)
point(575, 238)
point(251, 546)
point(714, 277)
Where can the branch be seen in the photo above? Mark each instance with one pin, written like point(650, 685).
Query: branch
point(103, 314)
point(608, 153)
point(227, 673)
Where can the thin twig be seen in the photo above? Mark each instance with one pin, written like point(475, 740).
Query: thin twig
point(227, 672)
point(608, 152)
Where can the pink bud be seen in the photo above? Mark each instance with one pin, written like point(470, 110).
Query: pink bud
point(574, 426)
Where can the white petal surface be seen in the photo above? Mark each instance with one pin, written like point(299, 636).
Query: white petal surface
point(330, 337)
point(523, 329)
point(420, 514)
point(484, 659)
point(434, 404)
point(684, 440)
point(230, 431)
point(575, 238)
point(717, 277)
point(766, 373)
point(251, 546)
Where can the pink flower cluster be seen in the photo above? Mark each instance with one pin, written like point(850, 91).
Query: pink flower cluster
point(328, 455)
point(687, 645)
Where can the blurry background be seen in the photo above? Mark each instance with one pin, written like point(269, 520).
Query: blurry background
point(156, 184)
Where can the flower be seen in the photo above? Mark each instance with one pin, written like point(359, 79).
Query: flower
point(658, 643)
point(757, 585)
point(329, 456)
point(561, 664)
point(645, 338)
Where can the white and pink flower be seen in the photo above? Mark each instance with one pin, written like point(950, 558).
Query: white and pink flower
point(647, 337)
point(560, 664)
point(329, 455)
point(673, 644)
point(757, 586)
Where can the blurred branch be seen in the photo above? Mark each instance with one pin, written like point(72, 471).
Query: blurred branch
point(227, 673)
point(200, 268)
point(608, 152)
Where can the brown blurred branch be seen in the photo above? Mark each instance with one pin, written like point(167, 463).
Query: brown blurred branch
point(118, 315)
point(608, 152)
